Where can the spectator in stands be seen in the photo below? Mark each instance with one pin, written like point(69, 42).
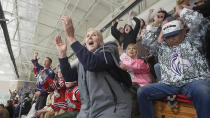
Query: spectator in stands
point(120, 37)
point(138, 69)
point(183, 69)
point(143, 52)
point(59, 89)
point(101, 95)
point(13, 94)
point(31, 113)
point(159, 17)
point(131, 63)
point(3, 112)
point(47, 111)
point(121, 31)
point(44, 74)
point(10, 108)
point(73, 102)
point(129, 35)
point(24, 105)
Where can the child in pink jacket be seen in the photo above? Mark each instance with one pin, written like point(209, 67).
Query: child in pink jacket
point(138, 67)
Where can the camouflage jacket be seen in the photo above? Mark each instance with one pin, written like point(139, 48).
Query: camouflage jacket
point(183, 63)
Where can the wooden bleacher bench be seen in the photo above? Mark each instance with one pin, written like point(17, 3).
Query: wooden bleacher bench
point(178, 106)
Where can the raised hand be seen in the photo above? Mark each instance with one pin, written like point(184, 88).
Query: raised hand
point(123, 66)
point(130, 13)
point(178, 9)
point(35, 55)
point(113, 22)
point(142, 32)
point(61, 46)
point(148, 17)
point(68, 28)
point(151, 11)
point(118, 20)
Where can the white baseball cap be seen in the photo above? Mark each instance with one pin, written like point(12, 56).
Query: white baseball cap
point(172, 28)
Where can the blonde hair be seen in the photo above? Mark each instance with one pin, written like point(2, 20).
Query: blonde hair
point(134, 45)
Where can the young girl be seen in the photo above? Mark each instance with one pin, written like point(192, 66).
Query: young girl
point(138, 67)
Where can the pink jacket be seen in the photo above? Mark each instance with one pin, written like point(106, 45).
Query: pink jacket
point(139, 68)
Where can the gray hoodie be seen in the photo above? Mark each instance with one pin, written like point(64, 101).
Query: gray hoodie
point(101, 95)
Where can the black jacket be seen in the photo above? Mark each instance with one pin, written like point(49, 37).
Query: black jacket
point(204, 9)
point(127, 38)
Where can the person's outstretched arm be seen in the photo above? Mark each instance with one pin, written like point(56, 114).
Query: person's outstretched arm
point(69, 74)
point(91, 61)
point(149, 40)
point(197, 24)
point(136, 28)
point(37, 66)
point(114, 31)
point(149, 16)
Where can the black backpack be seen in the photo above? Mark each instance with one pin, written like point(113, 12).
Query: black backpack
point(121, 76)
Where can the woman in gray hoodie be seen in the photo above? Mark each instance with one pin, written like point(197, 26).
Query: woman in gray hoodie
point(101, 95)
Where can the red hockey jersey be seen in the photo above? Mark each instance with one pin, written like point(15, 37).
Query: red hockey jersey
point(59, 95)
point(42, 81)
point(73, 99)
